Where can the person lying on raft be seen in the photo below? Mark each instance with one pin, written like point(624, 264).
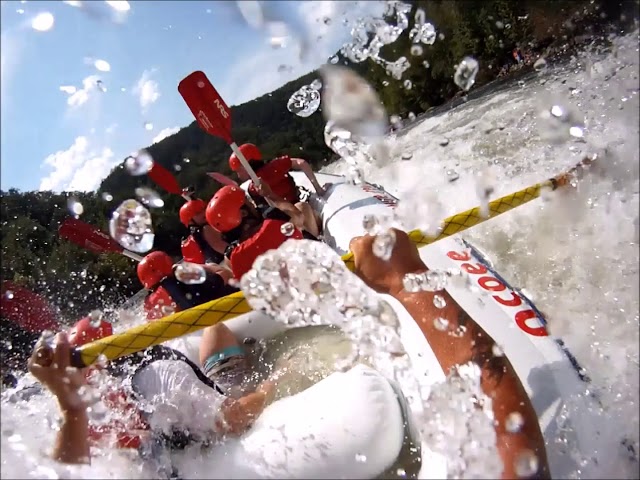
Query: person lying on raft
point(168, 295)
point(248, 233)
point(182, 406)
point(275, 174)
point(204, 244)
point(499, 380)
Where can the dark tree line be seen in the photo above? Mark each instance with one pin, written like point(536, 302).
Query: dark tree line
point(77, 280)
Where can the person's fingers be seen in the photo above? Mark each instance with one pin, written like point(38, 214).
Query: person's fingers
point(62, 352)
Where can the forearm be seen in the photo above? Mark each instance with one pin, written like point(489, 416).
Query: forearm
point(240, 414)
point(72, 441)
point(303, 166)
point(499, 380)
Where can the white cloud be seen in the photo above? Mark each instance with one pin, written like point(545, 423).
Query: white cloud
point(307, 20)
point(164, 133)
point(79, 168)
point(146, 90)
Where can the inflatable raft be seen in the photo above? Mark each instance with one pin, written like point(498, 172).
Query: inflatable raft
point(357, 424)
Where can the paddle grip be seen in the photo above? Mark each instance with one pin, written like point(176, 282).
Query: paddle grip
point(247, 167)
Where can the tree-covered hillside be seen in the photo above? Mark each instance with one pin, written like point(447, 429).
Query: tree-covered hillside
point(489, 30)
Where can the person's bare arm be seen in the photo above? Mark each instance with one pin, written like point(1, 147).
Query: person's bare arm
point(499, 380)
point(214, 239)
point(240, 414)
point(297, 217)
point(303, 166)
point(52, 369)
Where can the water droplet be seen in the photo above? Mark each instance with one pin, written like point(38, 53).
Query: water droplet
point(95, 318)
point(497, 350)
point(351, 103)
point(407, 84)
point(526, 464)
point(119, 5)
point(102, 65)
point(131, 226)
point(439, 301)
point(139, 164)
point(316, 84)
point(288, 229)
point(441, 324)
point(426, 64)
point(148, 126)
point(425, 33)
point(355, 175)
point(304, 102)
point(540, 64)
point(406, 156)
point(107, 197)
point(149, 197)
point(43, 22)
point(75, 207)
point(383, 244)
point(190, 273)
point(443, 142)
point(514, 422)
point(361, 458)
point(576, 132)
point(334, 60)
point(416, 50)
point(8, 294)
point(466, 72)
point(499, 24)
point(401, 472)
point(370, 224)
point(452, 175)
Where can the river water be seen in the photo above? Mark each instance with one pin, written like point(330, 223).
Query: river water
point(575, 252)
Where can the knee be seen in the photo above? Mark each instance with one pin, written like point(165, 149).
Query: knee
point(215, 338)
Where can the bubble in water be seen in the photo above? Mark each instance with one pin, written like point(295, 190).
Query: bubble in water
point(102, 65)
point(288, 229)
point(425, 34)
point(441, 323)
point(190, 273)
point(75, 207)
point(351, 103)
point(139, 164)
point(452, 175)
point(149, 197)
point(383, 244)
point(526, 464)
point(107, 197)
point(304, 102)
point(439, 301)
point(43, 22)
point(466, 72)
point(540, 64)
point(397, 68)
point(514, 422)
point(407, 84)
point(95, 318)
point(406, 156)
point(131, 226)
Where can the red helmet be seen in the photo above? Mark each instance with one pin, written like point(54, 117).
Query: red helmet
point(250, 152)
point(223, 211)
point(190, 209)
point(153, 268)
point(84, 332)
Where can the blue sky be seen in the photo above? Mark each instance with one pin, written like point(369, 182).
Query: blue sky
point(61, 132)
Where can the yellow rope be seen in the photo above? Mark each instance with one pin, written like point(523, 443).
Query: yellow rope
point(143, 336)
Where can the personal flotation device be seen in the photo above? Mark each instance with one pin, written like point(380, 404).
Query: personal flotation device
point(179, 296)
point(130, 429)
point(269, 237)
point(196, 249)
point(276, 174)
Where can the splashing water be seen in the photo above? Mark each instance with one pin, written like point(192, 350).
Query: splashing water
point(304, 102)
point(149, 197)
point(190, 273)
point(139, 163)
point(131, 226)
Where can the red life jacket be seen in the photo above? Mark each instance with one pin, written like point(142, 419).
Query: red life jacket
point(269, 237)
point(159, 304)
point(276, 175)
point(196, 249)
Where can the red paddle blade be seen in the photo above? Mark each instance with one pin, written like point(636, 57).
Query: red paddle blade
point(88, 236)
point(211, 112)
point(223, 179)
point(164, 178)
